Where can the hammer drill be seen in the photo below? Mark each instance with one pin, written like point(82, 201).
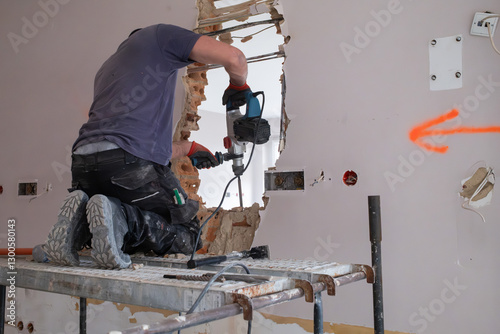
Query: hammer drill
point(243, 129)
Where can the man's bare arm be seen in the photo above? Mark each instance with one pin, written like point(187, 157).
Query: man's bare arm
point(210, 51)
point(180, 148)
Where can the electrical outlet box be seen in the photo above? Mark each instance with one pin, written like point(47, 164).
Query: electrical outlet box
point(27, 188)
point(479, 28)
point(274, 180)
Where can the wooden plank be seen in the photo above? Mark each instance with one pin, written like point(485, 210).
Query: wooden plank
point(239, 27)
point(237, 12)
point(274, 55)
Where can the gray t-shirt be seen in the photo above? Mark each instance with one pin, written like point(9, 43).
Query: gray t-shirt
point(134, 93)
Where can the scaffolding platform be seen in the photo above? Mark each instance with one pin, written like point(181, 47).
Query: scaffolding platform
point(144, 284)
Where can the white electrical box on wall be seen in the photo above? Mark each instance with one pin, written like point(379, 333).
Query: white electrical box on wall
point(445, 60)
point(480, 27)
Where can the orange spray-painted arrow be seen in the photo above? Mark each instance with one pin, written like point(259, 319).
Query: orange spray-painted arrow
point(422, 130)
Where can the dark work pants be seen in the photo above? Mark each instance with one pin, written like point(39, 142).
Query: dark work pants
point(146, 190)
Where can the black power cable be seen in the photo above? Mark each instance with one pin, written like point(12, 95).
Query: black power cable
point(212, 280)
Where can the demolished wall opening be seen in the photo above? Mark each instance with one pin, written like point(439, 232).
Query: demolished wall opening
point(263, 76)
point(254, 27)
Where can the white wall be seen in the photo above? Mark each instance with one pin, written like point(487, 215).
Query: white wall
point(357, 115)
point(344, 115)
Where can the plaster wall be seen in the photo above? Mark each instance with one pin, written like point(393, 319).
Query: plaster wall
point(355, 113)
point(438, 259)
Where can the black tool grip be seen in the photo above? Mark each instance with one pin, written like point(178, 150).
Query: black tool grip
point(170, 276)
point(206, 261)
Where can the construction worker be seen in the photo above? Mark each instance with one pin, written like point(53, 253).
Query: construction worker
point(124, 197)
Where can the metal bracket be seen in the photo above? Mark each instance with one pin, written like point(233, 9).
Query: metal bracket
point(329, 282)
point(246, 303)
point(370, 275)
point(307, 287)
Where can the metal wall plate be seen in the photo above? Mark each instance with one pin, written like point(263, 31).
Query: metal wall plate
point(289, 180)
point(445, 60)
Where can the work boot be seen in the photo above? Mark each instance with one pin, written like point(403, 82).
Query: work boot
point(39, 254)
point(70, 233)
point(108, 225)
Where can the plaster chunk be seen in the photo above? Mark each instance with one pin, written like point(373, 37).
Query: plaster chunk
point(237, 230)
point(226, 38)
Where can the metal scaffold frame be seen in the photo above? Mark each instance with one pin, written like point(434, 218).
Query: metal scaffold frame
point(270, 282)
point(166, 283)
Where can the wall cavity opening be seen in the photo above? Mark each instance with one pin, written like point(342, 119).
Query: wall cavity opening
point(253, 27)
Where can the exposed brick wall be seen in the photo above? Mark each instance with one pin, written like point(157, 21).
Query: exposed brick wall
point(231, 229)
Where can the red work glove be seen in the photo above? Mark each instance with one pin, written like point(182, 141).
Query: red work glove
point(236, 94)
point(201, 157)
